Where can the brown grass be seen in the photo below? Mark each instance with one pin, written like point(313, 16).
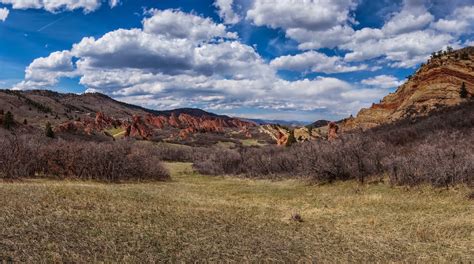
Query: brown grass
point(200, 218)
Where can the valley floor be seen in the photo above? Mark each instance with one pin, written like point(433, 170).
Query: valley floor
point(196, 217)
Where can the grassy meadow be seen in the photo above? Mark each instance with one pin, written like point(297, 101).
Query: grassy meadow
point(210, 219)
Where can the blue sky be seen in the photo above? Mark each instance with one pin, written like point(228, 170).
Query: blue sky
point(275, 59)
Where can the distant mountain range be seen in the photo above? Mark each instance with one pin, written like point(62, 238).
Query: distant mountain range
point(277, 122)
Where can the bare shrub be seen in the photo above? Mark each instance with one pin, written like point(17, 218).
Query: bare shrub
point(111, 162)
point(448, 162)
point(16, 157)
point(437, 149)
point(219, 161)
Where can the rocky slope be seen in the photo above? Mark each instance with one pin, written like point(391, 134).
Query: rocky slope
point(436, 84)
point(100, 116)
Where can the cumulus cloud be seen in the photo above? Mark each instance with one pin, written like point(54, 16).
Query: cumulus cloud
point(4, 14)
point(460, 21)
point(405, 40)
point(179, 25)
point(58, 5)
point(382, 81)
point(226, 12)
point(314, 62)
point(178, 59)
point(405, 50)
point(313, 15)
point(46, 71)
point(408, 21)
point(313, 23)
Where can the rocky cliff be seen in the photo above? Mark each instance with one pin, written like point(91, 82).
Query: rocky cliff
point(436, 84)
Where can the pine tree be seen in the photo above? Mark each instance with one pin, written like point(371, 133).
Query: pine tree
point(463, 92)
point(8, 120)
point(25, 122)
point(49, 130)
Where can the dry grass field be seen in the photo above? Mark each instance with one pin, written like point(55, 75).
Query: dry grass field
point(201, 218)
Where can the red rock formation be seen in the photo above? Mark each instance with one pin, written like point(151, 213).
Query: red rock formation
point(144, 127)
point(282, 139)
point(102, 121)
point(157, 121)
point(333, 129)
point(434, 85)
point(138, 128)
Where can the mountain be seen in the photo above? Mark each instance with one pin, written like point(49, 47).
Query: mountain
point(319, 123)
point(435, 84)
point(100, 117)
point(290, 123)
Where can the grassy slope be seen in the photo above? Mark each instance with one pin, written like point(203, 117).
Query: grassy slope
point(196, 217)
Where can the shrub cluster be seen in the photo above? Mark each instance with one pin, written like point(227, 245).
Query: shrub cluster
point(110, 161)
point(437, 149)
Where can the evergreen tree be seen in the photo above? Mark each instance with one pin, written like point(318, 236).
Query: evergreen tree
point(8, 120)
point(463, 92)
point(49, 130)
point(25, 122)
point(291, 138)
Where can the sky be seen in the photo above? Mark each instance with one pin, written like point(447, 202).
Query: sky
point(300, 60)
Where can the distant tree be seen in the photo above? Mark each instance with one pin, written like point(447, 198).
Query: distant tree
point(291, 138)
point(440, 53)
point(463, 92)
point(409, 77)
point(49, 130)
point(456, 56)
point(25, 122)
point(464, 56)
point(449, 49)
point(8, 120)
point(2, 112)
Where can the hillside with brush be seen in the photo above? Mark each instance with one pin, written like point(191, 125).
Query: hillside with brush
point(94, 116)
point(447, 79)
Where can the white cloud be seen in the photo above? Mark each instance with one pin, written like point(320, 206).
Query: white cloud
point(46, 71)
point(113, 3)
point(315, 62)
point(179, 25)
point(406, 39)
point(4, 14)
point(313, 23)
point(55, 6)
point(407, 21)
point(405, 50)
point(315, 15)
point(226, 12)
point(382, 81)
point(460, 21)
point(193, 62)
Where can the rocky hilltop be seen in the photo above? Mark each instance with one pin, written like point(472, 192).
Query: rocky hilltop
point(436, 84)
